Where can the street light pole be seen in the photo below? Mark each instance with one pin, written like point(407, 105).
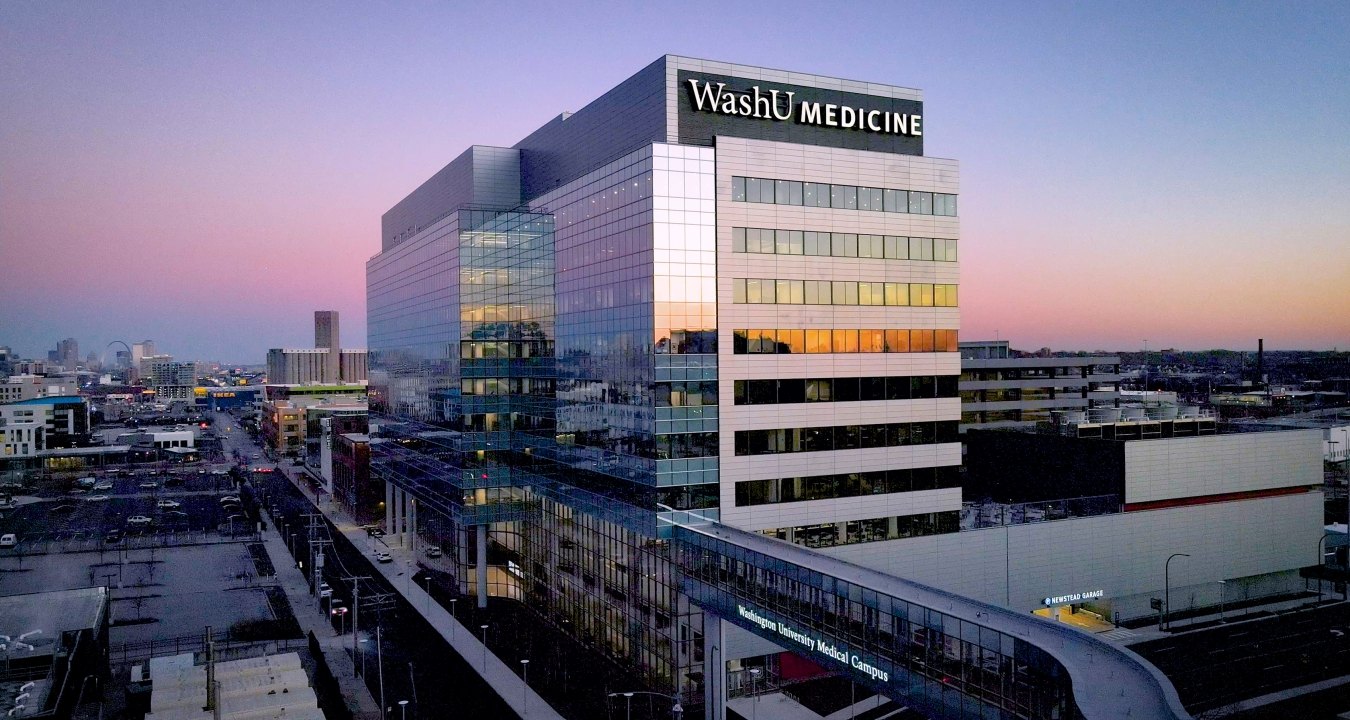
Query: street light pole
point(484, 629)
point(403, 705)
point(1167, 590)
point(754, 697)
point(525, 685)
point(630, 704)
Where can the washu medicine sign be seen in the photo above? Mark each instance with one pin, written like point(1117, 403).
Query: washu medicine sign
point(781, 106)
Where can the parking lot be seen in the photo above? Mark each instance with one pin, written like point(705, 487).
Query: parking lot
point(175, 505)
point(157, 592)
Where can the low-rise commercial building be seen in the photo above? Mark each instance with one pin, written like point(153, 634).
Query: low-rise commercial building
point(999, 390)
point(17, 388)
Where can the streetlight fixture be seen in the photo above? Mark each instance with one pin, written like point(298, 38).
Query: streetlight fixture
point(525, 685)
point(484, 628)
point(403, 706)
point(1167, 590)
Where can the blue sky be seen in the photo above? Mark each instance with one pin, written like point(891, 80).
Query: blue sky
point(206, 176)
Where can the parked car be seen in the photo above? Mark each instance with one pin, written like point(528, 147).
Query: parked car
point(434, 552)
point(169, 504)
point(148, 485)
point(229, 499)
point(139, 521)
point(103, 485)
point(8, 540)
point(383, 557)
point(97, 498)
point(113, 536)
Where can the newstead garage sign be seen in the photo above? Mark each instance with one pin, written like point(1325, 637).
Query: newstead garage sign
point(816, 644)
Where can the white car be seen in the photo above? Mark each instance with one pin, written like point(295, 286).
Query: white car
point(139, 520)
point(383, 557)
point(8, 540)
point(103, 485)
point(149, 485)
point(169, 504)
point(96, 498)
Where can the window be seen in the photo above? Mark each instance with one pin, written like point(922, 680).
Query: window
point(757, 341)
point(811, 242)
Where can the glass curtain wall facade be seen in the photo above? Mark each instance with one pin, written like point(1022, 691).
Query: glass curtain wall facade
point(557, 376)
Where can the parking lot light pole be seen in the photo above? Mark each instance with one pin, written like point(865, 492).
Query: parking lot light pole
point(1167, 590)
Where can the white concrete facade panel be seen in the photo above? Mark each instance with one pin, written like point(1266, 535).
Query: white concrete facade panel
point(1174, 468)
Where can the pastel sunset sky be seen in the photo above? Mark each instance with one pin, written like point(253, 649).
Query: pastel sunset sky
point(207, 175)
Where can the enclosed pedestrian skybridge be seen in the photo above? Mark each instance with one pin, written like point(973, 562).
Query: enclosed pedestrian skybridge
point(943, 654)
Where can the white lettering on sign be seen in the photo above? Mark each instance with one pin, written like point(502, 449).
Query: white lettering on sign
point(1073, 597)
point(767, 106)
point(818, 645)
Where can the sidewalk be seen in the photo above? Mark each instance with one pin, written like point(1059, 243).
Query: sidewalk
point(313, 619)
point(1131, 636)
point(521, 698)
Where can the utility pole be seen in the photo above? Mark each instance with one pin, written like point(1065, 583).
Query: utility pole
point(356, 607)
point(318, 563)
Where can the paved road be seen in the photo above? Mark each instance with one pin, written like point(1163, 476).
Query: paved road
point(419, 660)
point(1219, 666)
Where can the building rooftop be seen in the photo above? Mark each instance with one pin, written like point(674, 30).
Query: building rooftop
point(43, 616)
point(52, 400)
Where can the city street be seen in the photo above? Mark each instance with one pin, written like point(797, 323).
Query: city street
point(1222, 665)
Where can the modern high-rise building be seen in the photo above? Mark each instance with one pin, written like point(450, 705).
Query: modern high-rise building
point(326, 335)
point(68, 354)
point(171, 380)
point(678, 372)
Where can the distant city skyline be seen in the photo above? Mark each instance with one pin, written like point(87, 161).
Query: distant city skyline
point(205, 176)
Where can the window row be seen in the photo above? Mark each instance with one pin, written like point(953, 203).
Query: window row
point(786, 341)
point(846, 389)
point(869, 530)
point(507, 386)
point(692, 393)
point(771, 291)
point(827, 487)
point(686, 445)
point(808, 242)
point(844, 437)
point(841, 197)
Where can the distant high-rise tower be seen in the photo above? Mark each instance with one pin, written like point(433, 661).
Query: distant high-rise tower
point(68, 354)
point(326, 336)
